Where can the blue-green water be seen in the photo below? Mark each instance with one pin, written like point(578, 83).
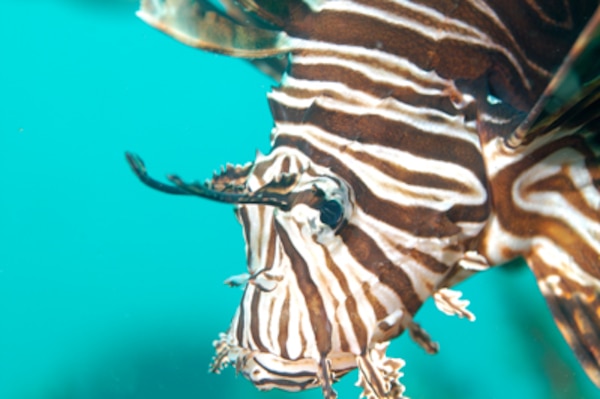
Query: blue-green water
point(111, 290)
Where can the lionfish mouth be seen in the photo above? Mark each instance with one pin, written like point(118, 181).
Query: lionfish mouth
point(267, 370)
point(378, 375)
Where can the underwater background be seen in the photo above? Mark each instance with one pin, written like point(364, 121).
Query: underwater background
point(111, 290)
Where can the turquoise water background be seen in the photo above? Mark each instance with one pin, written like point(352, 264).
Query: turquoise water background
point(111, 290)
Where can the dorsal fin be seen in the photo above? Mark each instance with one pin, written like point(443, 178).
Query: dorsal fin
point(573, 95)
point(273, 12)
point(511, 88)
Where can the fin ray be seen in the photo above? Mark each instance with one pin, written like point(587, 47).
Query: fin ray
point(200, 25)
point(574, 90)
point(576, 310)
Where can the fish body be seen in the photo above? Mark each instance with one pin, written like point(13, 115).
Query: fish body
point(414, 144)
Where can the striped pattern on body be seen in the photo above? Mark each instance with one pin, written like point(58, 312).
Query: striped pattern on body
point(390, 178)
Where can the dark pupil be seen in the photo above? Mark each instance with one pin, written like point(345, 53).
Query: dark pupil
point(331, 213)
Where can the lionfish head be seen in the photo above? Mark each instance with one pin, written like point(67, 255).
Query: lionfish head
point(309, 313)
point(283, 329)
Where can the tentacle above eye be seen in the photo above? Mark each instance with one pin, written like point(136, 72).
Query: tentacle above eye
point(138, 167)
point(275, 193)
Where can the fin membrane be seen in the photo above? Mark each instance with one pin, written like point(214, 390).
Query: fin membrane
point(575, 304)
point(572, 96)
point(199, 24)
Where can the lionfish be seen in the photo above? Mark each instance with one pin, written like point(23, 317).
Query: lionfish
point(415, 143)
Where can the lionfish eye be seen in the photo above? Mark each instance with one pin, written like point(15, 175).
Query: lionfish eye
point(331, 213)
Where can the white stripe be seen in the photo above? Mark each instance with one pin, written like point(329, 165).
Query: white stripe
point(391, 61)
point(555, 257)
point(375, 74)
point(278, 298)
point(428, 120)
point(499, 157)
point(551, 203)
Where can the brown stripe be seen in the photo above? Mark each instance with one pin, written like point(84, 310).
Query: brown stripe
point(284, 325)
point(286, 114)
point(243, 214)
point(344, 344)
point(271, 247)
point(260, 236)
point(256, 319)
point(314, 302)
point(563, 184)
point(270, 321)
point(427, 261)
point(380, 310)
point(282, 373)
point(285, 165)
point(286, 383)
point(366, 252)
point(470, 213)
point(241, 322)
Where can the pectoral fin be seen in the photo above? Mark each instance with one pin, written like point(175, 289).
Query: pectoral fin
point(200, 25)
point(573, 296)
